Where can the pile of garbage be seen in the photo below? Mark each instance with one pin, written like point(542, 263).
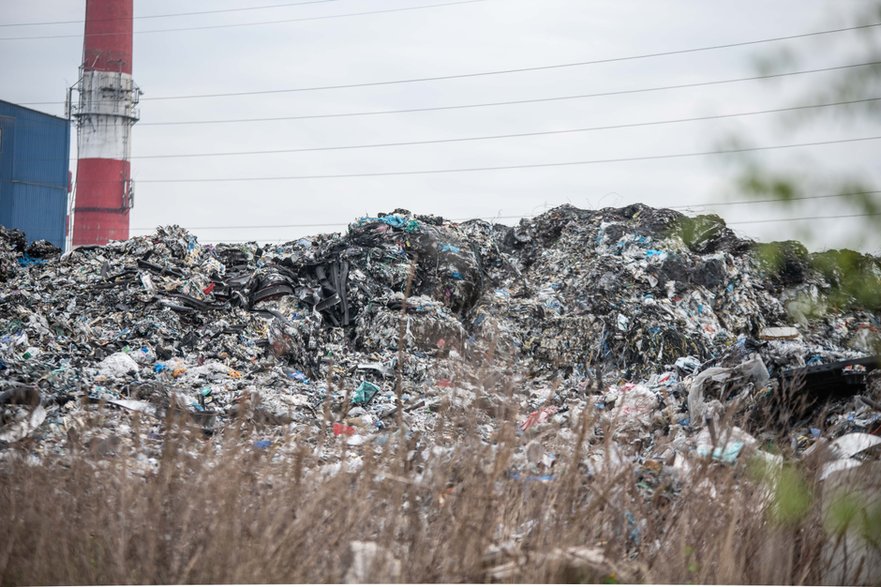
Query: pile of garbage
point(661, 324)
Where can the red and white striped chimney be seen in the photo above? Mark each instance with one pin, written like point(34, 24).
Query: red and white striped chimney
point(107, 110)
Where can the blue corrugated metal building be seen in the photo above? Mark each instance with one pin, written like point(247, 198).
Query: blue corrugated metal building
point(34, 172)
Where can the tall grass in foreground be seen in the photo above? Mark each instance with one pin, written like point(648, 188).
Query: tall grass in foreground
point(223, 511)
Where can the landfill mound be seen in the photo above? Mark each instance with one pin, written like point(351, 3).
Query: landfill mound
point(670, 320)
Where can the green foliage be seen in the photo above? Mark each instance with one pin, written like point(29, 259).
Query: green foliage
point(850, 511)
point(842, 513)
point(698, 231)
point(792, 497)
point(755, 183)
point(785, 262)
point(851, 193)
point(691, 563)
point(760, 470)
point(855, 278)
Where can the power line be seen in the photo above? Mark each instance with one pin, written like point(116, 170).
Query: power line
point(508, 167)
point(169, 15)
point(506, 102)
point(506, 217)
point(804, 218)
point(505, 136)
point(517, 70)
point(514, 70)
point(526, 216)
point(258, 23)
point(774, 200)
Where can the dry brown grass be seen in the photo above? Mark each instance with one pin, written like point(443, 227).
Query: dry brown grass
point(226, 512)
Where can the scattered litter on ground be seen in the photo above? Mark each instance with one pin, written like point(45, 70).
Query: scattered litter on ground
point(617, 316)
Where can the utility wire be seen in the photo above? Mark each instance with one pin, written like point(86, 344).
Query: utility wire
point(247, 24)
point(169, 15)
point(773, 200)
point(803, 218)
point(527, 216)
point(505, 136)
point(514, 70)
point(518, 70)
point(503, 103)
point(508, 167)
point(507, 217)
point(506, 102)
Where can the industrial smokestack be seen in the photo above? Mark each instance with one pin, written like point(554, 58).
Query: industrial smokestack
point(107, 110)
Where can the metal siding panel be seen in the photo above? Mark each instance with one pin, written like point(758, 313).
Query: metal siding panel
point(40, 154)
point(34, 172)
point(7, 140)
point(41, 210)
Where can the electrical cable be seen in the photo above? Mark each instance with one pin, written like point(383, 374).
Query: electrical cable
point(170, 15)
point(491, 218)
point(773, 200)
point(508, 71)
point(514, 70)
point(503, 103)
point(504, 136)
point(508, 217)
point(511, 217)
point(509, 167)
point(247, 24)
point(478, 105)
point(803, 218)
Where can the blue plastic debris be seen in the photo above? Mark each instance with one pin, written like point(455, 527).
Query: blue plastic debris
point(28, 261)
point(727, 454)
point(448, 248)
point(299, 376)
point(553, 304)
point(394, 221)
point(262, 444)
point(365, 392)
point(516, 476)
point(633, 534)
point(159, 367)
point(456, 275)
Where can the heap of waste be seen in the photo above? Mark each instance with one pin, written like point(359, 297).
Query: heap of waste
point(664, 325)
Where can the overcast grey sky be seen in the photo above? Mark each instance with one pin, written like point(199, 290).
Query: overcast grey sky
point(457, 39)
